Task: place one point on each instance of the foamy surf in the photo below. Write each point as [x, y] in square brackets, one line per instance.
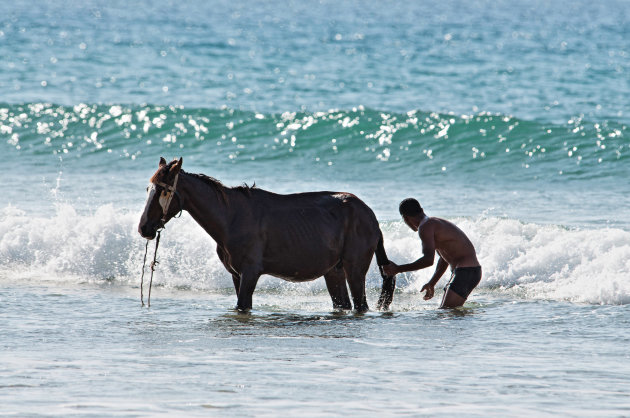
[521, 260]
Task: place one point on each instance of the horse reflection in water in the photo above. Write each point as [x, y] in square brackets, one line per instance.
[296, 237]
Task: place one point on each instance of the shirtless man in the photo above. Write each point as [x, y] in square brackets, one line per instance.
[454, 249]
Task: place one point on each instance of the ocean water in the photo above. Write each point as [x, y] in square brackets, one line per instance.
[509, 118]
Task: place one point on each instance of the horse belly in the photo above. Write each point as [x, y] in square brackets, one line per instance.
[296, 277]
[303, 244]
[302, 261]
[302, 266]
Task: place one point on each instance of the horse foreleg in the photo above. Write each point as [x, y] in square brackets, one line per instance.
[223, 256]
[336, 284]
[247, 284]
[237, 282]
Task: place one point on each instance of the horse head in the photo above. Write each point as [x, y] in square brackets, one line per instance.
[162, 189]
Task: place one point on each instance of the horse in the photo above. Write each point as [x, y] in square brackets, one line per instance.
[296, 237]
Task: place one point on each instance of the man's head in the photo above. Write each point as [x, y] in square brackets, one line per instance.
[411, 212]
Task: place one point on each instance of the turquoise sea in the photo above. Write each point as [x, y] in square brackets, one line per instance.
[510, 118]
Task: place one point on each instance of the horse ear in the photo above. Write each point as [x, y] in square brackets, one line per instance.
[162, 162]
[178, 166]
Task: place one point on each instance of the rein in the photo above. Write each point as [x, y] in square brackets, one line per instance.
[172, 191]
[152, 265]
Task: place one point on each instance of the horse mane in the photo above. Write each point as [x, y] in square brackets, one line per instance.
[220, 187]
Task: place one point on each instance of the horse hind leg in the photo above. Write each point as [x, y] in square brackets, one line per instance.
[336, 285]
[355, 274]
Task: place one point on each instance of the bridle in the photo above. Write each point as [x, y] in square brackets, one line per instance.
[172, 190]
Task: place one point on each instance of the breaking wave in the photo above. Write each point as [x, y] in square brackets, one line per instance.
[520, 260]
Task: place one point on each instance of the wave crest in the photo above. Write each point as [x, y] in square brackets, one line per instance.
[416, 142]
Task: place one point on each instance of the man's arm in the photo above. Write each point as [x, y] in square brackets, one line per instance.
[428, 254]
[440, 268]
[430, 285]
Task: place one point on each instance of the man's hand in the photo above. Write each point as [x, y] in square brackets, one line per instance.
[390, 269]
[430, 291]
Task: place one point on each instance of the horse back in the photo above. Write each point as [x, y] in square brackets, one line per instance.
[339, 210]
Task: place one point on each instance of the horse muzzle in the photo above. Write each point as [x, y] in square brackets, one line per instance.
[148, 231]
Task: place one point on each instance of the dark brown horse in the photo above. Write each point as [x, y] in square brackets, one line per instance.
[297, 237]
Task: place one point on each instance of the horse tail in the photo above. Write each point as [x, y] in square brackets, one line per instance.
[389, 283]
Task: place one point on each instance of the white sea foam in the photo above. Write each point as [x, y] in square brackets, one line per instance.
[535, 261]
[519, 260]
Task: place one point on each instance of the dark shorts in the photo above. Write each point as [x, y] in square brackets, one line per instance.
[464, 280]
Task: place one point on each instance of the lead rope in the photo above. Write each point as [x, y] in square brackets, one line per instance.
[173, 190]
[144, 263]
[152, 265]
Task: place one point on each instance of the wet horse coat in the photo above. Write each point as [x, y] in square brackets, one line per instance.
[296, 237]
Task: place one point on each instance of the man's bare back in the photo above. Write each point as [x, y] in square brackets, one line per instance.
[450, 242]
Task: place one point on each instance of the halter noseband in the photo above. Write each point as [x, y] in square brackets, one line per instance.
[173, 191]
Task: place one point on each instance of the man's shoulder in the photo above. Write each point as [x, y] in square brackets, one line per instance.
[433, 221]
[440, 222]
[434, 224]
[427, 225]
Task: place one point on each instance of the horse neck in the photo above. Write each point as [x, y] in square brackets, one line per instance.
[207, 205]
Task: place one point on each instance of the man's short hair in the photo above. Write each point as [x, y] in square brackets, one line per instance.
[410, 207]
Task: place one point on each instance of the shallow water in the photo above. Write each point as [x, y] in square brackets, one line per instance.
[91, 349]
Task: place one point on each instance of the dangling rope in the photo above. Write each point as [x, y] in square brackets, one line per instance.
[152, 265]
[172, 192]
[144, 263]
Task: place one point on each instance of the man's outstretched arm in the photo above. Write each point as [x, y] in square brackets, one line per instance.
[428, 255]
